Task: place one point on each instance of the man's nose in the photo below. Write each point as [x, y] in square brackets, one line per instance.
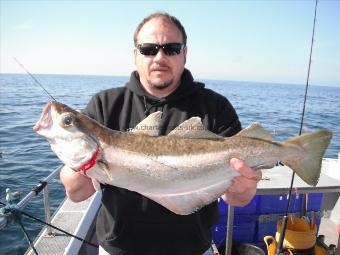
[160, 55]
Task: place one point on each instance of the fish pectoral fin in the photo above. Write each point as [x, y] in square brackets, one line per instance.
[150, 125]
[255, 130]
[102, 164]
[194, 128]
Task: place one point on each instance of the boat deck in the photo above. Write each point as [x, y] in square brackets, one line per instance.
[328, 228]
[74, 218]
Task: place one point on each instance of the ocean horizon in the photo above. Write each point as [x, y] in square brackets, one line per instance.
[198, 79]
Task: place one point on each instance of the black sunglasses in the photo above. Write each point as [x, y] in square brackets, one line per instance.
[151, 49]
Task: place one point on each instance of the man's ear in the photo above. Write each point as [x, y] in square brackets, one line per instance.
[135, 52]
[185, 51]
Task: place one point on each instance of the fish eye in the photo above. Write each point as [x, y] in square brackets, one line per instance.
[68, 120]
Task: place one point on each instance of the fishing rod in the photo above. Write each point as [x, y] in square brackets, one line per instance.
[26, 214]
[285, 217]
[35, 79]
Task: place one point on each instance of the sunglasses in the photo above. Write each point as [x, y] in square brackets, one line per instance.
[151, 49]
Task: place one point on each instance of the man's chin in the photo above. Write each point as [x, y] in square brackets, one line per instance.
[161, 84]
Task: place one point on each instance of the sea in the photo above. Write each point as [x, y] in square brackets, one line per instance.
[26, 158]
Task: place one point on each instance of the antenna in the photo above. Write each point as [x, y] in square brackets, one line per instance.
[35, 79]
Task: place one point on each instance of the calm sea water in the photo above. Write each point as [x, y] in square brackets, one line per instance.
[27, 158]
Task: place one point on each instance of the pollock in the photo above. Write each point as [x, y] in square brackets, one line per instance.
[183, 171]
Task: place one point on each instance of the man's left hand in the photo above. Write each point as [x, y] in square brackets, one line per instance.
[244, 186]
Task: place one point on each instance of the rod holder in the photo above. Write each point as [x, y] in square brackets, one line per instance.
[47, 210]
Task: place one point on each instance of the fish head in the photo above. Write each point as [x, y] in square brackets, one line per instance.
[64, 129]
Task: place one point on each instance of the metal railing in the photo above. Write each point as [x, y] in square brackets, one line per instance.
[42, 185]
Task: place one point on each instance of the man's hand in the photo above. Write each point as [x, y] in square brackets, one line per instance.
[244, 186]
[78, 187]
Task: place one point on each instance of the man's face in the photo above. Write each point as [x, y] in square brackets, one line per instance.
[160, 74]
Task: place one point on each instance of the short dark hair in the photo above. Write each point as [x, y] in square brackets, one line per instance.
[167, 17]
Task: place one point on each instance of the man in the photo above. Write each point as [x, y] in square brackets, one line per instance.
[129, 223]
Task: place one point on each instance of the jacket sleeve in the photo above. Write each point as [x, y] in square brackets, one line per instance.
[226, 120]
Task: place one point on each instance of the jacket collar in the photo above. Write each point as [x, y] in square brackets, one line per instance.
[187, 87]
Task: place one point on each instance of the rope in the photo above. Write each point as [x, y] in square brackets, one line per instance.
[26, 235]
[13, 209]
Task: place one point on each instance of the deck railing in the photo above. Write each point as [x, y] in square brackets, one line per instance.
[42, 185]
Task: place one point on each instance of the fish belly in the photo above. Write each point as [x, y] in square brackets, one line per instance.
[182, 184]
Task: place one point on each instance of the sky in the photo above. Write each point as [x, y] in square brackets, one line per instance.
[263, 41]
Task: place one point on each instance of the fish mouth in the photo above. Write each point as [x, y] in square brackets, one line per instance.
[45, 121]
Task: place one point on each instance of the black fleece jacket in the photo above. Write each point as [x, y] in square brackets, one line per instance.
[129, 223]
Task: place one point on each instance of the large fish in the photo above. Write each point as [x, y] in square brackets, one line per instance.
[183, 171]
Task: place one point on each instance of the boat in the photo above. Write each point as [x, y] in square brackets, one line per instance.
[79, 218]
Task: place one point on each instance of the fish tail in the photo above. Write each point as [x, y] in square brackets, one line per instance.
[313, 147]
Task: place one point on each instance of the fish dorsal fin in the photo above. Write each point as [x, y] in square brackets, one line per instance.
[194, 128]
[150, 125]
[255, 130]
